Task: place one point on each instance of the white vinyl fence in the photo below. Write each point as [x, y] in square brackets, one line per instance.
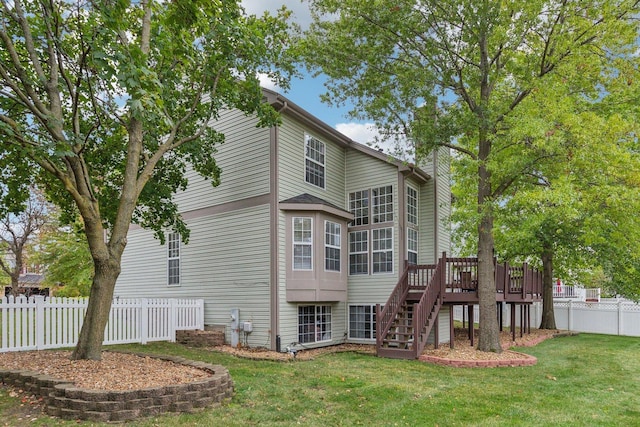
[611, 317]
[39, 323]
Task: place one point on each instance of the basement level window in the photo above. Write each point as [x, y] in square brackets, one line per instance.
[314, 323]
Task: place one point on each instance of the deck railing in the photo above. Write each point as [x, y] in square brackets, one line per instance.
[431, 297]
[385, 317]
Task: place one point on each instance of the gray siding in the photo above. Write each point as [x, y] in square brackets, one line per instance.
[244, 160]
[226, 262]
[365, 172]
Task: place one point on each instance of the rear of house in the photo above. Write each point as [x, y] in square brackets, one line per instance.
[307, 231]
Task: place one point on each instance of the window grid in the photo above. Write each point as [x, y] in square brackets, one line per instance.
[332, 246]
[173, 259]
[314, 323]
[302, 243]
[412, 206]
[359, 252]
[382, 250]
[362, 321]
[412, 246]
[382, 204]
[314, 161]
[359, 207]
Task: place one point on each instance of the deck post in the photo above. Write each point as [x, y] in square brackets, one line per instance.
[471, 322]
[513, 321]
[451, 328]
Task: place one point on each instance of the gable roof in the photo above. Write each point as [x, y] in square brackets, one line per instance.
[284, 106]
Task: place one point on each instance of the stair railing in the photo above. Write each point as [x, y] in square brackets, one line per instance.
[385, 317]
[430, 301]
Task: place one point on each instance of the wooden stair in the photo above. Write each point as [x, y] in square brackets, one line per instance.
[410, 314]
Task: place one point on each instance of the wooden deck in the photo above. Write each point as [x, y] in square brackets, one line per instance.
[412, 309]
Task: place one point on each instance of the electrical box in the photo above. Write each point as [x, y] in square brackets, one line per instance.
[247, 327]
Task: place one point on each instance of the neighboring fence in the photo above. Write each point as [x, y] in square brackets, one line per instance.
[37, 323]
[581, 294]
[611, 317]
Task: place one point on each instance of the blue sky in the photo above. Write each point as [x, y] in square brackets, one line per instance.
[306, 91]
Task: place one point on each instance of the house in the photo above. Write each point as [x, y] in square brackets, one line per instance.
[306, 233]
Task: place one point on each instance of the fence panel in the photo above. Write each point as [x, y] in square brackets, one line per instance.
[37, 323]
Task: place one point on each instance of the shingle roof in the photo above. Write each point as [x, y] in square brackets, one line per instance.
[309, 199]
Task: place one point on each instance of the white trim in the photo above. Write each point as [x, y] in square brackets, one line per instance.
[338, 246]
[367, 252]
[294, 243]
[174, 238]
[373, 251]
[323, 153]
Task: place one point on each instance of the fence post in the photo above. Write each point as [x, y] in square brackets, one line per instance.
[144, 320]
[620, 327]
[570, 316]
[200, 314]
[172, 319]
[39, 326]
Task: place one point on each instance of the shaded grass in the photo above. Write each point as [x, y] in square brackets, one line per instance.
[582, 380]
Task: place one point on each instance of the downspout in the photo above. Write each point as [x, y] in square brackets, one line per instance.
[274, 136]
[436, 214]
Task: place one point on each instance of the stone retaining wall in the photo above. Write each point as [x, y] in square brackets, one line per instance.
[65, 400]
[200, 338]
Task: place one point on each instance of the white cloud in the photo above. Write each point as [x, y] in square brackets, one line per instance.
[300, 9]
[266, 82]
[369, 134]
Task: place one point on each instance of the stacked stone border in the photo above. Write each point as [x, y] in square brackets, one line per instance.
[525, 360]
[63, 399]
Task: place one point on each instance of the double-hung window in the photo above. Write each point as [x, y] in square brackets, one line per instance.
[359, 207]
[314, 323]
[412, 206]
[412, 225]
[173, 259]
[314, 158]
[382, 204]
[362, 321]
[382, 250]
[302, 243]
[359, 252]
[412, 246]
[332, 246]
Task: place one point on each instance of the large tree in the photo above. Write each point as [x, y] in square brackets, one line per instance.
[107, 103]
[453, 73]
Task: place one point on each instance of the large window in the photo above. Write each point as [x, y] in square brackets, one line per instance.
[382, 250]
[412, 246]
[173, 259]
[314, 161]
[382, 204]
[314, 323]
[302, 244]
[359, 207]
[332, 246]
[362, 321]
[359, 252]
[412, 206]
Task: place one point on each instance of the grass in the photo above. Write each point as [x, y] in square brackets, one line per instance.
[582, 380]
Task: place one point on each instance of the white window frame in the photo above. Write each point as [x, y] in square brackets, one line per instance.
[370, 325]
[315, 330]
[332, 242]
[359, 206]
[173, 259]
[381, 212]
[385, 250]
[302, 243]
[362, 251]
[319, 160]
[412, 205]
[410, 240]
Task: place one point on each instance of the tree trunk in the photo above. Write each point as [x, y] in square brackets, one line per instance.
[548, 315]
[489, 336]
[89, 344]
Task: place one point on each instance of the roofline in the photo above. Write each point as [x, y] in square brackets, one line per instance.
[283, 105]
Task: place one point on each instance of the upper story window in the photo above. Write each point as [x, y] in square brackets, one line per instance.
[173, 259]
[382, 204]
[314, 157]
[302, 243]
[382, 250]
[359, 207]
[412, 205]
[332, 246]
[412, 246]
[359, 252]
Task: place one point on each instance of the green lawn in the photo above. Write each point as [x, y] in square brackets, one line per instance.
[581, 380]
